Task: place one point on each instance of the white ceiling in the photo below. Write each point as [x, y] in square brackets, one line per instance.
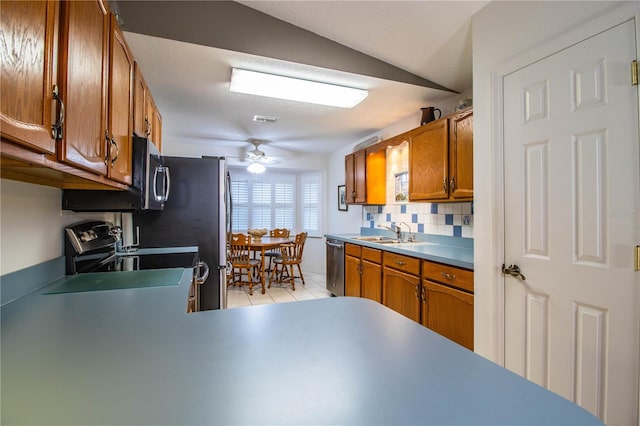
[190, 82]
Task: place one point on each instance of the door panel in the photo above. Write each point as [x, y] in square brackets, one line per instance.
[28, 49]
[571, 224]
[84, 83]
[120, 106]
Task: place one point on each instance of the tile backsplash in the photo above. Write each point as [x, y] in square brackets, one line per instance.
[450, 219]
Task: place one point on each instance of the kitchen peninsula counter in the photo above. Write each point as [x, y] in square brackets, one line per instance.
[135, 357]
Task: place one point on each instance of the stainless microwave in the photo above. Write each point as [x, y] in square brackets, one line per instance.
[151, 183]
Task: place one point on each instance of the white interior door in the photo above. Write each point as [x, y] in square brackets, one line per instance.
[571, 224]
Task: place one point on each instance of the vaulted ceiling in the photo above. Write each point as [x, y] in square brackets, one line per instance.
[407, 54]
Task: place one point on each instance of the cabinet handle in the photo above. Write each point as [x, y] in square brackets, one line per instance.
[147, 125]
[107, 147]
[418, 291]
[444, 186]
[400, 262]
[113, 143]
[452, 184]
[448, 276]
[353, 195]
[424, 295]
[56, 128]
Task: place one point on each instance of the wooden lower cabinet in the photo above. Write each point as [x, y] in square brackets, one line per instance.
[448, 312]
[363, 272]
[400, 292]
[352, 270]
[438, 296]
[371, 287]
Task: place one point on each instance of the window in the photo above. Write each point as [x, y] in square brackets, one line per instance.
[240, 203]
[311, 203]
[266, 201]
[277, 200]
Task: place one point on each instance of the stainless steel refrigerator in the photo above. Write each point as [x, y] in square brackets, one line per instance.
[197, 213]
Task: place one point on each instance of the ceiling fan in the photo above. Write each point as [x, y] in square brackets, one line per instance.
[258, 158]
[256, 155]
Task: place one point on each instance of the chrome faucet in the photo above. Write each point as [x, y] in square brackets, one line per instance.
[392, 228]
[411, 237]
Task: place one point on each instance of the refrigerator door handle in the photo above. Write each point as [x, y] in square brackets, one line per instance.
[202, 278]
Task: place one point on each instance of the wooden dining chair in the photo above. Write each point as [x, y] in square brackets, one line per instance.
[239, 254]
[291, 254]
[277, 233]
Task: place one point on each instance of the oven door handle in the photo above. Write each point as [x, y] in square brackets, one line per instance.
[200, 279]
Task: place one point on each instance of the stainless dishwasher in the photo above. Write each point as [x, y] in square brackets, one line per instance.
[335, 267]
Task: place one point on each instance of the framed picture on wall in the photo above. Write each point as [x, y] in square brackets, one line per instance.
[342, 198]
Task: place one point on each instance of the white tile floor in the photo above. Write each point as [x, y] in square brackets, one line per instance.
[314, 288]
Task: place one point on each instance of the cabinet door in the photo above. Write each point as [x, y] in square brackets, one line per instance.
[157, 128]
[448, 312]
[352, 276]
[355, 168]
[140, 120]
[84, 81]
[371, 281]
[428, 162]
[401, 292]
[349, 182]
[376, 177]
[120, 106]
[461, 156]
[28, 53]
[360, 176]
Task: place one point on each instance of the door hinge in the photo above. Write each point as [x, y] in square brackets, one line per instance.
[634, 73]
[636, 259]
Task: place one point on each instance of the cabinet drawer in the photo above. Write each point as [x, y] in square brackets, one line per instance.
[450, 275]
[352, 249]
[407, 264]
[372, 255]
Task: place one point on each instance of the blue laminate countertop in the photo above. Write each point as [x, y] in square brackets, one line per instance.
[442, 252]
[134, 357]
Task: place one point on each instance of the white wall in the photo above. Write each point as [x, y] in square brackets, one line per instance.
[507, 34]
[31, 224]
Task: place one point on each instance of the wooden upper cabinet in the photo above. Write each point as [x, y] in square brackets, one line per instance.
[156, 127]
[141, 124]
[365, 177]
[356, 177]
[28, 53]
[121, 83]
[146, 116]
[84, 80]
[441, 159]
[429, 161]
[461, 155]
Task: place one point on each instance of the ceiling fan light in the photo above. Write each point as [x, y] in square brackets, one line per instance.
[293, 89]
[256, 168]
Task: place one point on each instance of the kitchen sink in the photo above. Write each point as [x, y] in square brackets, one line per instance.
[378, 239]
[391, 240]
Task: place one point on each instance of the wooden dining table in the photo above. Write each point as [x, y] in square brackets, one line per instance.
[262, 245]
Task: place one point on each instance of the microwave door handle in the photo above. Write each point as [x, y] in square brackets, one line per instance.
[155, 184]
[168, 181]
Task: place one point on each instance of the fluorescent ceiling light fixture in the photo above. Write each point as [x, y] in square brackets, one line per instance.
[293, 89]
[256, 168]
